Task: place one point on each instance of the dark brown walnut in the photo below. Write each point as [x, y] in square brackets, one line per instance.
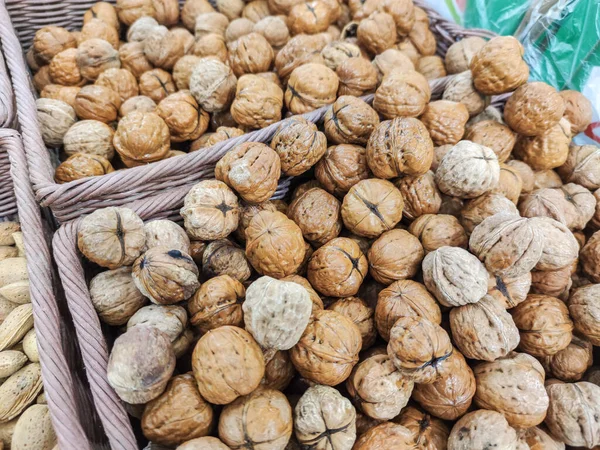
[98, 29]
[210, 211]
[402, 94]
[480, 208]
[178, 414]
[317, 303]
[140, 364]
[399, 147]
[498, 67]
[111, 237]
[445, 121]
[428, 432]
[328, 349]
[197, 251]
[317, 213]
[241, 424]
[364, 423]
[121, 81]
[371, 207]
[132, 57]
[570, 363]
[391, 59]
[257, 102]
[217, 303]
[460, 88]
[454, 276]
[224, 257]
[299, 50]
[572, 411]
[386, 435]
[338, 268]
[494, 135]
[578, 110]
[484, 330]
[555, 283]
[547, 150]
[431, 67]
[251, 53]
[279, 371]
[94, 57]
[274, 244]
[50, 41]
[336, 52]
[377, 32]
[403, 299]
[350, 121]
[421, 195]
[459, 55]
[533, 109]
[309, 17]
[184, 117]
[583, 310]
[481, 430]
[142, 138]
[325, 419]
[539, 439]
[227, 364]
[509, 183]
[341, 167]
[544, 325]
[63, 69]
[438, 230]
[182, 70]
[97, 103]
[311, 86]
[395, 255]
[507, 244]
[418, 348]
[156, 84]
[357, 77]
[210, 139]
[378, 388]
[559, 247]
[247, 213]
[359, 312]
[581, 166]
[509, 291]
[82, 165]
[65, 93]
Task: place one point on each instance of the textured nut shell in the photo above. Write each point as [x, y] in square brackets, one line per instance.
[309, 17]
[247, 213]
[428, 432]
[184, 117]
[279, 371]
[336, 52]
[299, 50]
[570, 363]
[377, 32]
[65, 93]
[581, 166]
[251, 53]
[94, 56]
[584, 312]
[165, 233]
[274, 29]
[578, 110]
[539, 439]
[395, 255]
[81, 165]
[386, 435]
[460, 88]
[203, 443]
[328, 349]
[357, 77]
[257, 102]
[317, 303]
[438, 230]
[156, 84]
[559, 246]
[131, 55]
[242, 423]
[454, 276]
[141, 138]
[432, 67]
[357, 310]
[171, 319]
[547, 150]
[350, 121]
[421, 195]
[55, 118]
[121, 81]
[49, 41]
[310, 86]
[480, 430]
[391, 59]
[342, 167]
[445, 121]
[91, 137]
[179, 414]
[317, 213]
[111, 237]
[19, 391]
[95, 102]
[555, 283]
[217, 303]
[480, 208]
[227, 363]
[494, 135]
[212, 84]
[509, 183]
[34, 430]
[459, 55]
[402, 94]
[572, 407]
[509, 291]
[533, 109]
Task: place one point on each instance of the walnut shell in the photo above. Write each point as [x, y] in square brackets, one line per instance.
[459, 55]
[325, 419]
[498, 67]
[99, 29]
[547, 150]
[544, 325]
[420, 195]
[241, 423]
[114, 296]
[460, 88]
[121, 81]
[94, 56]
[144, 27]
[171, 320]
[391, 59]
[480, 430]
[212, 84]
[90, 137]
[570, 363]
[572, 407]
[111, 237]
[402, 94]
[578, 110]
[65, 93]
[279, 372]
[223, 257]
[210, 22]
[539, 439]
[238, 28]
[217, 303]
[428, 432]
[299, 145]
[63, 69]
[454, 276]
[191, 9]
[357, 77]
[445, 121]
[136, 374]
[526, 173]
[377, 32]
[141, 138]
[274, 244]
[133, 59]
[509, 291]
[299, 50]
[395, 255]
[183, 116]
[251, 53]
[342, 167]
[335, 53]
[480, 208]
[210, 139]
[182, 70]
[317, 213]
[274, 29]
[493, 135]
[94, 102]
[418, 348]
[227, 363]
[583, 311]
[350, 121]
[257, 103]
[178, 414]
[165, 233]
[50, 41]
[309, 17]
[507, 244]
[555, 283]
[431, 67]
[559, 247]
[55, 118]
[247, 213]
[581, 166]
[438, 230]
[386, 435]
[210, 210]
[310, 86]
[509, 183]
[156, 84]
[317, 303]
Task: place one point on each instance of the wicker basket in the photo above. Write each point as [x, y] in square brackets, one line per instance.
[71, 410]
[70, 200]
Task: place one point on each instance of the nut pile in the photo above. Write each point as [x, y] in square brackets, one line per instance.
[24, 417]
[144, 81]
[430, 282]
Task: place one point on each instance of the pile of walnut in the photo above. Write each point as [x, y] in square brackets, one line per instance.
[24, 417]
[148, 81]
[421, 292]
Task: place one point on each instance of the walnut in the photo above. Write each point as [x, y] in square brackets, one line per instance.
[445, 121]
[533, 109]
[350, 121]
[238, 28]
[257, 103]
[402, 94]
[241, 423]
[310, 86]
[325, 419]
[509, 291]
[545, 151]
[251, 53]
[163, 50]
[539, 439]
[459, 55]
[211, 45]
[468, 170]
[99, 29]
[274, 30]
[165, 233]
[144, 27]
[140, 364]
[82, 165]
[63, 69]
[213, 84]
[309, 17]
[361, 314]
[210, 22]
[420, 195]
[583, 311]
[65, 93]
[217, 303]
[133, 58]
[337, 52]
[570, 363]
[438, 230]
[578, 110]
[451, 205]
[526, 173]
[111, 237]
[182, 70]
[498, 67]
[103, 11]
[50, 41]
[234, 370]
[317, 303]
[192, 9]
[480, 208]
[460, 88]
[171, 320]
[55, 118]
[371, 207]
[114, 296]
[431, 67]
[319, 225]
[454, 276]
[185, 36]
[299, 50]
[555, 283]
[581, 166]
[560, 248]
[157, 84]
[418, 348]
[141, 138]
[342, 167]
[385, 435]
[480, 430]
[230, 8]
[137, 103]
[395, 255]
[210, 139]
[509, 183]
[97, 103]
[427, 431]
[391, 59]
[572, 407]
[183, 116]
[420, 36]
[255, 11]
[330, 358]
[42, 79]
[91, 137]
[493, 135]
[120, 81]
[377, 32]
[357, 77]
[94, 56]
[484, 330]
